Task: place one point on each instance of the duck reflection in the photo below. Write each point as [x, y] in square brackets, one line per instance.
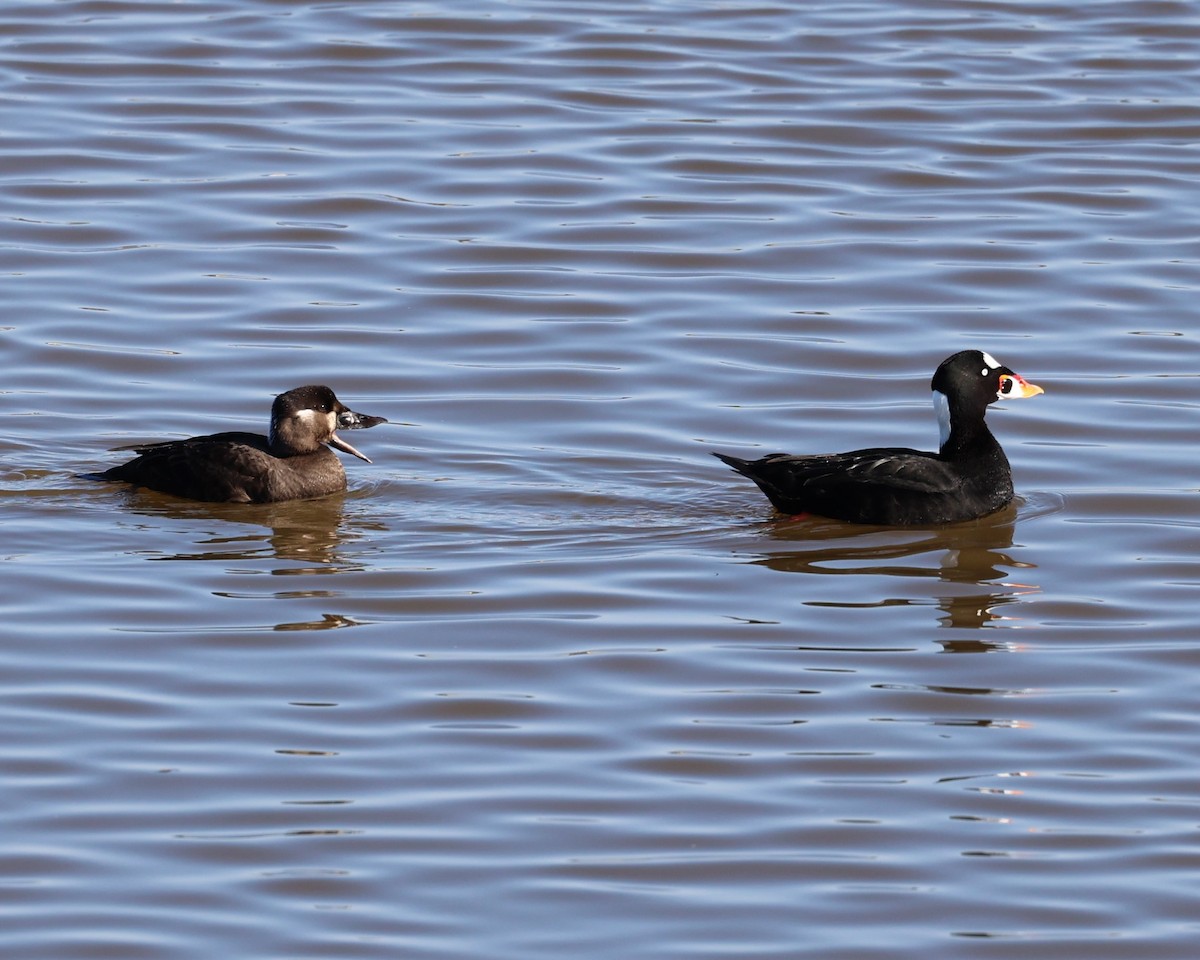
[976, 555]
[297, 538]
[307, 534]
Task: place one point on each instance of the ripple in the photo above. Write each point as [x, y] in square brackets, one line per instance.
[590, 676]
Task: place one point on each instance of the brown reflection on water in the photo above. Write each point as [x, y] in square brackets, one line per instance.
[307, 532]
[977, 554]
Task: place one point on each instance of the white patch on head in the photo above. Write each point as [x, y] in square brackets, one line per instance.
[941, 406]
[306, 417]
[991, 362]
[309, 416]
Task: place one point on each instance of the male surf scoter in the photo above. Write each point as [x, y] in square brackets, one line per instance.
[968, 477]
[292, 463]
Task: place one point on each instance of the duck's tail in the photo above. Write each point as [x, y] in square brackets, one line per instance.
[737, 463]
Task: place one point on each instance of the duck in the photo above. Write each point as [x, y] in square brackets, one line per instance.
[967, 478]
[293, 462]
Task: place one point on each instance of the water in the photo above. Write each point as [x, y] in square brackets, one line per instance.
[549, 680]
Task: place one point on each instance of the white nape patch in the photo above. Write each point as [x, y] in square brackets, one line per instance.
[941, 406]
[991, 361]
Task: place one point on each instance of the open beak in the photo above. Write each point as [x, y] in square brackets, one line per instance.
[339, 443]
[349, 420]
[1016, 386]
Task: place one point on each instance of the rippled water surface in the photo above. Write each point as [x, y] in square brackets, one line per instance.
[548, 681]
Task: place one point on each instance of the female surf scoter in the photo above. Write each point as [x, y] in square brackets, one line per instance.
[292, 463]
[968, 477]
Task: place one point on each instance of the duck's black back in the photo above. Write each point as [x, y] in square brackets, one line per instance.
[882, 485]
[218, 468]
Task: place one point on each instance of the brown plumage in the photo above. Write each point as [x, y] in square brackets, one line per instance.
[291, 463]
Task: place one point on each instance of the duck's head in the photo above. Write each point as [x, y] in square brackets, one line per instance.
[306, 417]
[967, 382]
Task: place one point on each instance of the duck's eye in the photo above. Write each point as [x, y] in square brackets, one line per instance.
[1006, 384]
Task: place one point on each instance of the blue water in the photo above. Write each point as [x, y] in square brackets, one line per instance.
[548, 680]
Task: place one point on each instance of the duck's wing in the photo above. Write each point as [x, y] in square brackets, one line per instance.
[234, 436]
[221, 467]
[873, 485]
[891, 467]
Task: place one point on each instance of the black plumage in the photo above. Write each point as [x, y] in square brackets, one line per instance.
[968, 477]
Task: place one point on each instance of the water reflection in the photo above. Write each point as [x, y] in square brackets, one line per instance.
[977, 555]
[297, 539]
[308, 534]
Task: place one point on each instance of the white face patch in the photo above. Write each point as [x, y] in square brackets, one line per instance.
[306, 417]
[941, 406]
[991, 362]
[309, 415]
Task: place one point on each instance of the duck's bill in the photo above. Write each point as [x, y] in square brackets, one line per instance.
[340, 444]
[349, 420]
[1014, 386]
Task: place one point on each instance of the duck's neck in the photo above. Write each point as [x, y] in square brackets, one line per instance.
[960, 433]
